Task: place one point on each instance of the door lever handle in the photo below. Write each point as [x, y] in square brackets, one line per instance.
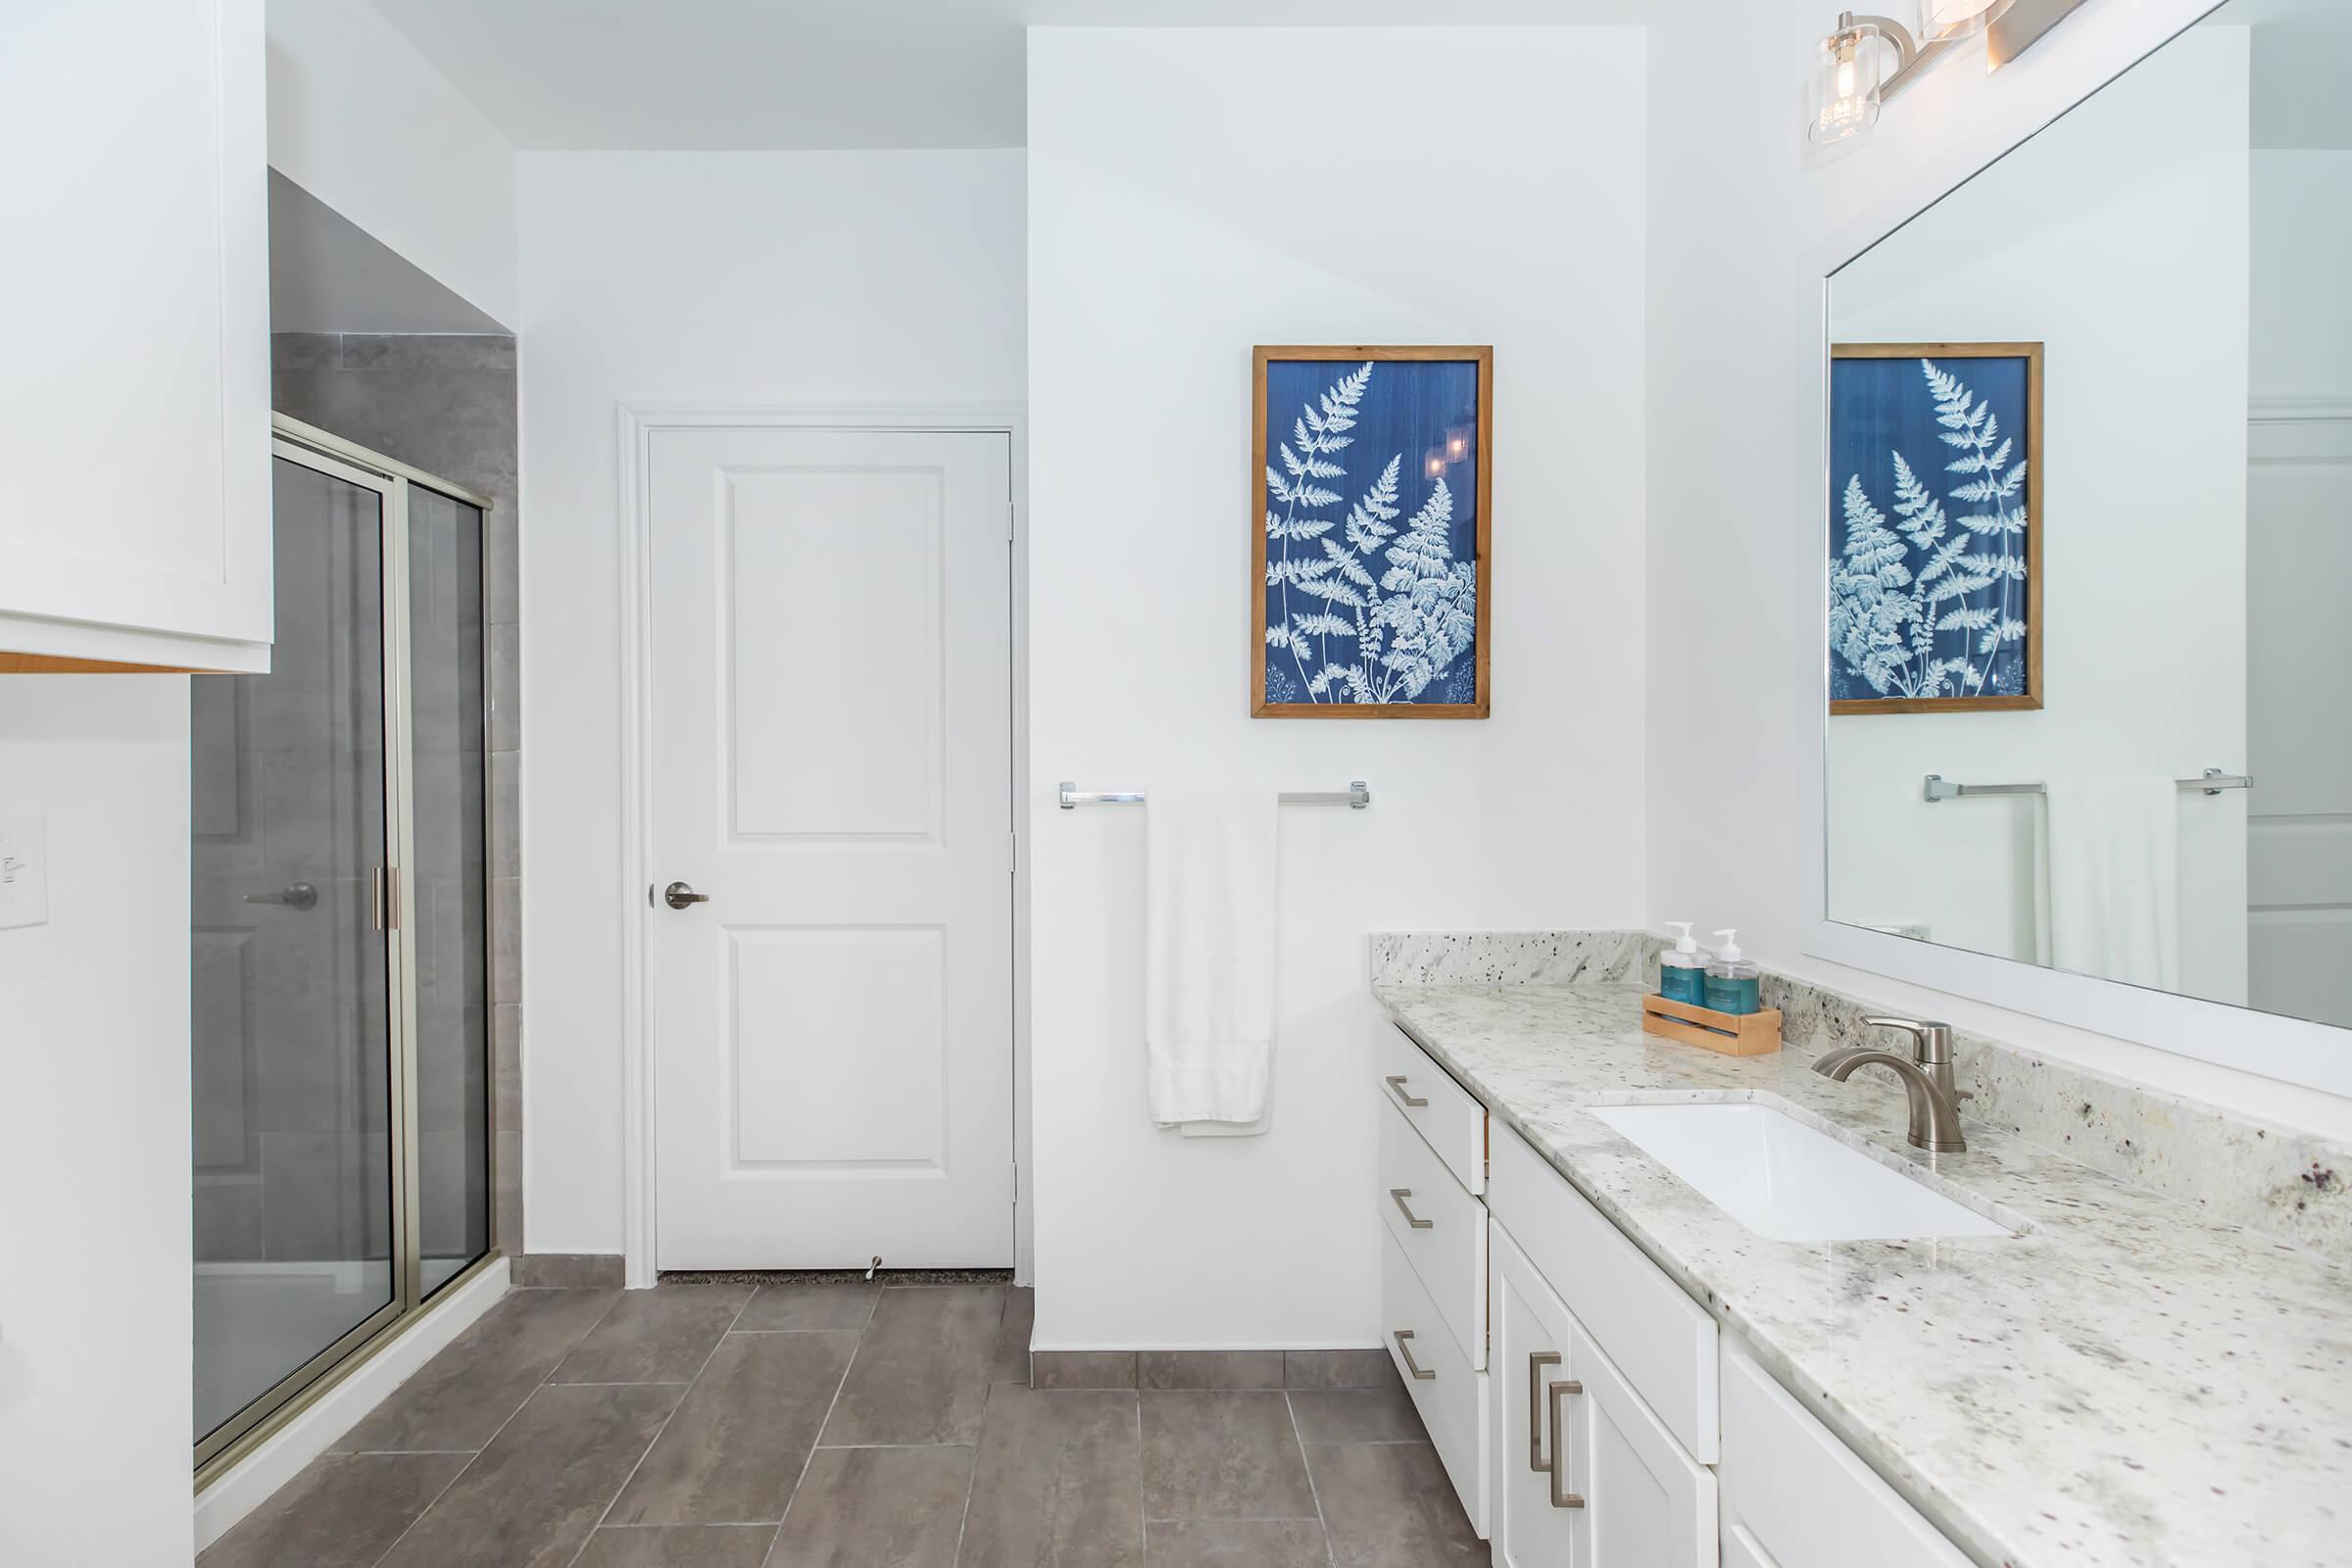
[678, 896]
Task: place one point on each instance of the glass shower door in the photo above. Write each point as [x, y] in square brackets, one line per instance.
[295, 977]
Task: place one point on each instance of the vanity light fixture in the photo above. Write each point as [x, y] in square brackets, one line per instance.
[1851, 81]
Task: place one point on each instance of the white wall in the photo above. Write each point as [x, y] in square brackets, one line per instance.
[692, 277]
[95, 1368]
[2128, 212]
[362, 121]
[2302, 310]
[1743, 224]
[1193, 192]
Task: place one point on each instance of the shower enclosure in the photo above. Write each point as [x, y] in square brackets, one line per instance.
[340, 942]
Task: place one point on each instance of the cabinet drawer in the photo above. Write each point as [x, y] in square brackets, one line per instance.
[1439, 1109]
[1795, 1495]
[1449, 1394]
[1447, 1247]
[1656, 1334]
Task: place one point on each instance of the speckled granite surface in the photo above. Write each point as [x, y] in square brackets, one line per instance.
[2280, 1181]
[2129, 1383]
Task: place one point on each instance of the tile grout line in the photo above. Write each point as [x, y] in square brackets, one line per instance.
[1313, 1491]
[971, 1479]
[610, 1502]
[856, 1351]
[502, 1426]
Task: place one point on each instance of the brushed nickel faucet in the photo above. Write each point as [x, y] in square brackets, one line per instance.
[1927, 1075]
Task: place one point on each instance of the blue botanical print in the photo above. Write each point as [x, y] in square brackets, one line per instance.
[1368, 605]
[1929, 601]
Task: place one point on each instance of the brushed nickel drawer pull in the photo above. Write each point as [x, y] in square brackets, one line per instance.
[1421, 1374]
[1559, 1470]
[1398, 1195]
[1537, 1361]
[1397, 1082]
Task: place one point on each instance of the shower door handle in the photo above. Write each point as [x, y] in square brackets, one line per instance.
[296, 894]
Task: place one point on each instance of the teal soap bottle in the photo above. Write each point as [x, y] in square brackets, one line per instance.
[1732, 983]
[1682, 969]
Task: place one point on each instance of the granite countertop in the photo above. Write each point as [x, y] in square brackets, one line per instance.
[2126, 1383]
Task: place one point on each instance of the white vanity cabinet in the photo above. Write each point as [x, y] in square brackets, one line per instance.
[134, 394]
[1589, 1412]
[1585, 1470]
[1794, 1497]
[1433, 1277]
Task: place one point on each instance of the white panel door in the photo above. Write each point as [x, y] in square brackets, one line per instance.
[2299, 748]
[831, 724]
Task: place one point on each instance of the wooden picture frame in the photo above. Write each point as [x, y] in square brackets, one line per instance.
[2031, 698]
[1372, 689]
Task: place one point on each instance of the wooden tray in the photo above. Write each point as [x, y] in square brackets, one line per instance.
[1734, 1034]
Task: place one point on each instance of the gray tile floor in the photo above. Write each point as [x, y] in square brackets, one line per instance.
[857, 1426]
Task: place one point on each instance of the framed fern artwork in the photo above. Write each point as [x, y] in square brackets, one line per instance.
[1368, 531]
[1935, 527]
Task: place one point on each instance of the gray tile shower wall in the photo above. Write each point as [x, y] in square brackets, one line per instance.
[2274, 1181]
[446, 404]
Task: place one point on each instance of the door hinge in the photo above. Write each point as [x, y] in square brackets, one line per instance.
[1011, 513]
[1012, 854]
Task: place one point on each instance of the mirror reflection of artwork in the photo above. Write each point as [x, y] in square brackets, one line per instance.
[1370, 533]
[1935, 527]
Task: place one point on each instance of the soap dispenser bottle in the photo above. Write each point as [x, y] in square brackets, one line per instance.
[1733, 981]
[1682, 969]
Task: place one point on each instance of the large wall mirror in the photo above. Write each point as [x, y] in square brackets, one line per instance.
[2089, 542]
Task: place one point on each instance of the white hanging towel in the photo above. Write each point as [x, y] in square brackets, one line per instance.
[2114, 878]
[1209, 957]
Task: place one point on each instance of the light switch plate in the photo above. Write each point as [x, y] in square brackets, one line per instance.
[24, 871]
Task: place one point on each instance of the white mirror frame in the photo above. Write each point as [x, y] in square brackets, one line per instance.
[2291, 1050]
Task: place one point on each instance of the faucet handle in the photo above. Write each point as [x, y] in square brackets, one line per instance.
[1930, 1042]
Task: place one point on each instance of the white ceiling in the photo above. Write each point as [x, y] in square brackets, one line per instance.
[823, 74]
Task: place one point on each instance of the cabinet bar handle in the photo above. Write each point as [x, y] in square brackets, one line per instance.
[1398, 1195]
[1537, 1361]
[1561, 1498]
[1421, 1374]
[1397, 1082]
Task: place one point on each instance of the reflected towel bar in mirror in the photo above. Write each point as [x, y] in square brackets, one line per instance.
[2212, 782]
[1356, 796]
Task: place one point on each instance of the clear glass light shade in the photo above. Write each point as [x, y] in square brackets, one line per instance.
[1957, 19]
[1847, 76]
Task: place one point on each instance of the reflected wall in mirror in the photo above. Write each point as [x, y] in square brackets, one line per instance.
[2174, 246]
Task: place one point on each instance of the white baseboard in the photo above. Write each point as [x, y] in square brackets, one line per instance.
[246, 1484]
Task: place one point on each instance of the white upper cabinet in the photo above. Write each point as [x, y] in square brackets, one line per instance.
[135, 385]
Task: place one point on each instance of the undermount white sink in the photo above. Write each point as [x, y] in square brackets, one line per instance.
[1789, 1182]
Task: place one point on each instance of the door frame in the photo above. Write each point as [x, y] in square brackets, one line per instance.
[638, 424]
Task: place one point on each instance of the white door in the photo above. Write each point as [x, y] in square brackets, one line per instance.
[1648, 1504]
[2298, 749]
[832, 756]
[1529, 1354]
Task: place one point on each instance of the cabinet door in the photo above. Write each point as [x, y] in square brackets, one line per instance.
[1648, 1503]
[134, 393]
[1529, 1352]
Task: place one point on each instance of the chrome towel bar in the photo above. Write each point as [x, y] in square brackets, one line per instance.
[2212, 781]
[1355, 797]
